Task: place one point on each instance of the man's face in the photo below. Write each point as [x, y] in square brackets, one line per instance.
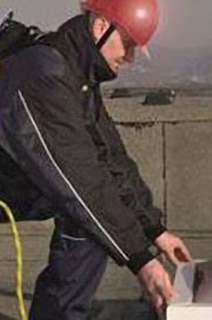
[118, 49]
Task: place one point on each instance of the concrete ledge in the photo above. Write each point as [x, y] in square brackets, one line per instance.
[184, 109]
[36, 228]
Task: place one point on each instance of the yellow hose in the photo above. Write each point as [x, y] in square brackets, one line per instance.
[17, 242]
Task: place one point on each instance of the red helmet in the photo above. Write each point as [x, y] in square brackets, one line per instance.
[139, 18]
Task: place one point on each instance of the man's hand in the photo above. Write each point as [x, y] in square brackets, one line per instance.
[157, 282]
[173, 248]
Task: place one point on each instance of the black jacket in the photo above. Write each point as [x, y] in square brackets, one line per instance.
[55, 127]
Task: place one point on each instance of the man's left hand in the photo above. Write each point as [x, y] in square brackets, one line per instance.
[173, 248]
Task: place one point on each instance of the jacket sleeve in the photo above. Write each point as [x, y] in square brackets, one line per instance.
[45, 127]
[133, 191]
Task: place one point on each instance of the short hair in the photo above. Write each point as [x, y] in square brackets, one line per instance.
[92, 16]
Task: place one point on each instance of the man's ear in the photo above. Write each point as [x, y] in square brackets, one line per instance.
[100, 26]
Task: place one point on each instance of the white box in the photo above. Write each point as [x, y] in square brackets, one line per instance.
[193, 287]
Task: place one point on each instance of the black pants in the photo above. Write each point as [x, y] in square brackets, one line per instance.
[65, 288]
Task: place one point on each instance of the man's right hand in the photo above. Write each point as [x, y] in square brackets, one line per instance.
[157, 282]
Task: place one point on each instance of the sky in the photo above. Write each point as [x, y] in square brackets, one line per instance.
[183, 23]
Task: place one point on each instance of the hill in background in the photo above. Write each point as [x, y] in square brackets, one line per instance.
[175, 68]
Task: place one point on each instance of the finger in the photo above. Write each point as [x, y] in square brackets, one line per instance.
[170, 290]
[159, 304]
[166, 289]
[166, 292]
[157, 301]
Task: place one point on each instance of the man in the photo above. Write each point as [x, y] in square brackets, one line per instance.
[62, 146]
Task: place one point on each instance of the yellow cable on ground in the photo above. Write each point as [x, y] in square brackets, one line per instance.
[17, 242]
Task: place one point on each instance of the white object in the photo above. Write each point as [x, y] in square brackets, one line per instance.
[193, 288]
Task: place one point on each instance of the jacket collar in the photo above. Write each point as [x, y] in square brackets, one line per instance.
[75, 39]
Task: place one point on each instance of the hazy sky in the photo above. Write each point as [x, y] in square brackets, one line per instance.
[183, 22]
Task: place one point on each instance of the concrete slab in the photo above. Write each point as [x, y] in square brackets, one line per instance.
[189, 176]
[36, 228]
[145, 146]
[8, 301]
[184, 109]
[34, 248]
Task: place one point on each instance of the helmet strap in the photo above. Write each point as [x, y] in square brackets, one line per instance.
[105, 36]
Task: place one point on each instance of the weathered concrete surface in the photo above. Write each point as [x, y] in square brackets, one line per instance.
[32, 228]
[185, 109]
[34, 248]
[8, 301]
[189, 176]
[145, 146]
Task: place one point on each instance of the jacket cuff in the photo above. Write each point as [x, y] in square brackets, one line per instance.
[155, 231]
[137, 261]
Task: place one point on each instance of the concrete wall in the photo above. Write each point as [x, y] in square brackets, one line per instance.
[172, 146]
